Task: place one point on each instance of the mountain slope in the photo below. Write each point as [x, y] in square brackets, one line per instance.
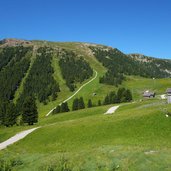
[114, 69]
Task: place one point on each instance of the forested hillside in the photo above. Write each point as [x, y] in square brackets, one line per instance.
[119, 65]
[74, 69]
[14, 63]
[40, 82]
[49, 72]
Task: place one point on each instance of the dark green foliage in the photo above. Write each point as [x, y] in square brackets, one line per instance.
[16, 53]
[61, 108]
[57, 110]
[64, 107]
[29, 111]
[40, 81]
[75, 104]
[7, 113]
[106, 100]
[78, 103]
[99, 103]
[81, 104]
[119, 65]
[122, 95]
[12, 74]
[128, 95]
[89, 103]
[74, 69]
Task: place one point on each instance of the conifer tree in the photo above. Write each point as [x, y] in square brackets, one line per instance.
[106, 100]
[99, 103]
[75, 104]
[89, 103]
[128, 95]
[64, 107]
[81, 104]
[29, 111]
[57, 109]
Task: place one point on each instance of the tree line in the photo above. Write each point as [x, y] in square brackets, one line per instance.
[122, 95]
[9, 112]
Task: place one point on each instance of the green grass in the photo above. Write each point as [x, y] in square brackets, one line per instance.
[136, 137]
[138, 84]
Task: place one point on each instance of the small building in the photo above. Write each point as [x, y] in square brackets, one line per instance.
[168, 92]
[148, 94]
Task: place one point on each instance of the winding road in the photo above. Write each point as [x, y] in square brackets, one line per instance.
[75, 92]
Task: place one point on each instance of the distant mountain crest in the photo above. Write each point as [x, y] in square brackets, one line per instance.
[14, 42]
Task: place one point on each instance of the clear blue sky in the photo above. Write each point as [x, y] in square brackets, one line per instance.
[142, 26]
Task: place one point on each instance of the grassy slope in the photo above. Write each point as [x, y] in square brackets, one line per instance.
[88, 138]
[136, 84]
[94, 139]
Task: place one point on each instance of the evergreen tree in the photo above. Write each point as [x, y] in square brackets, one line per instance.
[99, 103]
[128, 95]
[120, 94]
[10, 116]
[7, 113]
[106, 100]
[57, 109]
[112, 97]
[64, 107]
[89, 103]
[81, 104]
[29, 111]
[75, 104]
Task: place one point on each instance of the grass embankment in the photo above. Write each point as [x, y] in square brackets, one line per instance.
[136, 137]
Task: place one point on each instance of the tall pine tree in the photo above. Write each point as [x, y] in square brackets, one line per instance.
[29, 111]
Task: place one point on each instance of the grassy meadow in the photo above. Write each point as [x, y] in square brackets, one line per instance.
[136, 137]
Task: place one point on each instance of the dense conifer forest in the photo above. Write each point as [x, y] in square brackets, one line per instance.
[12, 74]
[40, 82]
[119, 65]
[74, 69]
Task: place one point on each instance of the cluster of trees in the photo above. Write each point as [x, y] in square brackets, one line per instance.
[74, 69]
[122, 95]
[12, 73]
[61, 108]
[40, 81]
[119, 65]
[9, 112]
[78, 103]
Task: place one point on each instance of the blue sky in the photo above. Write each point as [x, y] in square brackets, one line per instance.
[133, 26]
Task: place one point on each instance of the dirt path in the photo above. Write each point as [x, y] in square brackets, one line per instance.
[112, 110]
[75, 92]
[16, 138]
